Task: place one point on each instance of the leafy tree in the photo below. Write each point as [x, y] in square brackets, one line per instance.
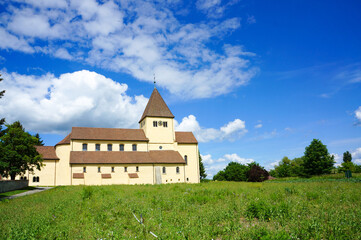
[233, 172]
[18, 153]
[39, 142]
[257, 173]
[202, 171]
[317, 160]
[347, 157]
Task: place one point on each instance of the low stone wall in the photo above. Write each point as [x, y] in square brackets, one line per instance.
[11, 185]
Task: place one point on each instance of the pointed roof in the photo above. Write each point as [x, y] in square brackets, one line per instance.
[156, 107]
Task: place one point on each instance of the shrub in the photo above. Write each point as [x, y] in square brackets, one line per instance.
[257, 174]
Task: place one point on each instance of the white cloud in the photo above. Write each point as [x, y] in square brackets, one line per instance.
[338, 159]
[135, 37]
[258, 125]
[358, 114]
[230, 131]
[251, 20]
[48, 104]
[213, 166]
[356, 156]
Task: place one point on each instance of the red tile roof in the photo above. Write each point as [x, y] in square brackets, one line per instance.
[156, 107]
[78, 175]
[185, 137]
[65, 141]
[117, 157]
[133, 175]
[47, 152]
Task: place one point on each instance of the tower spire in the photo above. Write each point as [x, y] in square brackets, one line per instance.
[154, 81]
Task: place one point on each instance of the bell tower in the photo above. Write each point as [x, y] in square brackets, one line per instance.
[157, 122]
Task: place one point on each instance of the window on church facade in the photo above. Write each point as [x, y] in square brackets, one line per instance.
[186, 159]
[97, 147]
[134, 147]
[84, 169]
[99, 169]
[177, 169]
[155, 124]
[125, 169]
[137, 169]
[110, 147]
[112, 169]
[121, 147]
[36, 179]
[164, 170]
[85, 147]
[165, 124]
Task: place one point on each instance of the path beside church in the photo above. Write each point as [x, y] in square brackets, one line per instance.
[36, 190]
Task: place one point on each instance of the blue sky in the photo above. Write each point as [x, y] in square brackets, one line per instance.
[254, 80]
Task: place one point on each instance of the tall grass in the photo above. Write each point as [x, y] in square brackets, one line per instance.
[214, 210]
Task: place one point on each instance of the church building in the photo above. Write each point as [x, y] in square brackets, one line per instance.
[153, 154]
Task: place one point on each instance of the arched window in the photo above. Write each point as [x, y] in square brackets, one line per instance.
[37, 179]
[84, 169]
[137, 169]
[34, 179]
[121, 147]
[186, 159]
[164, 170]
[110, 147]
[134, 147]
[177, 169]
[85, 147]
[97, 147]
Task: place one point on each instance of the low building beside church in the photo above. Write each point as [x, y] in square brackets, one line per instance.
[153, 154]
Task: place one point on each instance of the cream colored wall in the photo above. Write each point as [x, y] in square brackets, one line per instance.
[171, 175]
[165, 146]
[46, 174]
[63, 171]
[92, 177]
[192, 168]
[159, 134]
[78, 145]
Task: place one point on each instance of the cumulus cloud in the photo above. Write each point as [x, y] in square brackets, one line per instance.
[212, 166]
[356, 156]
[358, 114]
[134, 37]
[229, 131]
[338, 159]
[50, 104]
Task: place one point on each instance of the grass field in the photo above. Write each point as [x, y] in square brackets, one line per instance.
[214, 210]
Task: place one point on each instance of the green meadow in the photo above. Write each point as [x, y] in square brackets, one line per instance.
[318, 209]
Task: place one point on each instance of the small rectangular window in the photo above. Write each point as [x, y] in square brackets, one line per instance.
[186, 159]
[97, 147]
[121, 147]
[99, 169]
[165, 124]
[155, 124]
[134, 147]
[110, 147]
[125, 169]
[137, 169]
[177, 170]
[112, 169]
[85, 147]
[164, 170]
[84, 169]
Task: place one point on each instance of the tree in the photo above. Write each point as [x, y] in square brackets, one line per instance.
[257, 173]
[233, 172]
[17, 153]
[202, 171]
[317, 160]
[347, 157]
[39, 141]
